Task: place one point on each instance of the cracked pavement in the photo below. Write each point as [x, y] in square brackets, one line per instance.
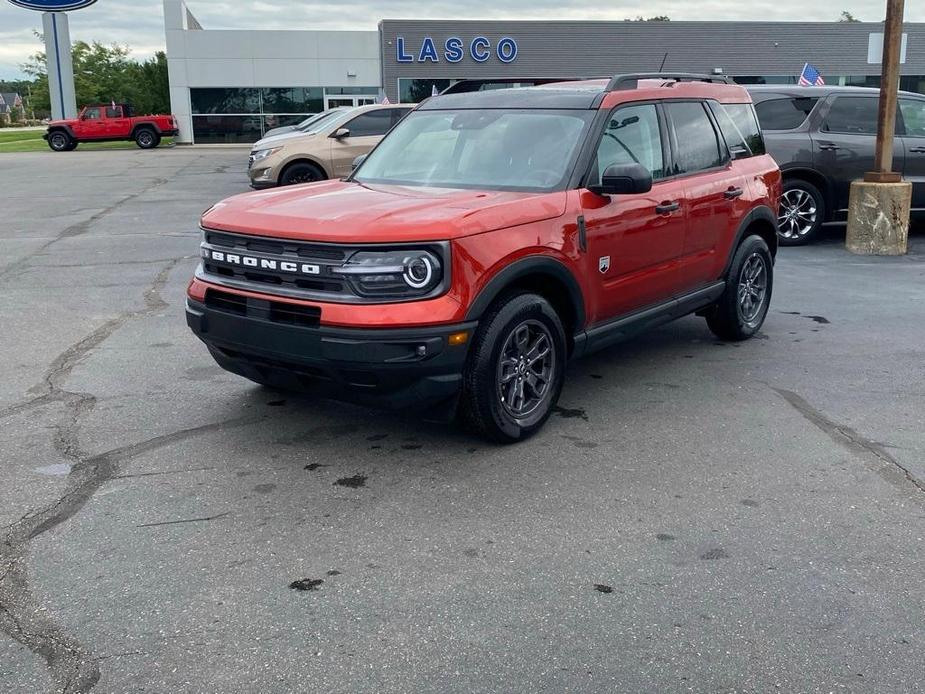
[697, 516]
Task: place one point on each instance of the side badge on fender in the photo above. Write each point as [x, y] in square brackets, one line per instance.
[604, 264]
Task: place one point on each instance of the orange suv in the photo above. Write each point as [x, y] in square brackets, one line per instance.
[492, 236]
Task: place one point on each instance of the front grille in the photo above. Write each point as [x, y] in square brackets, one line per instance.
[274, 311]
[312, 262]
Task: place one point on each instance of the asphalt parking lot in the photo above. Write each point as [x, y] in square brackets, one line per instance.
[698, 516]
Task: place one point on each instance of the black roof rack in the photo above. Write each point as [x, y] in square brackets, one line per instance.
[631, 80]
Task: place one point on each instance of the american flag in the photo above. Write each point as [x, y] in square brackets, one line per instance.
[810, 77]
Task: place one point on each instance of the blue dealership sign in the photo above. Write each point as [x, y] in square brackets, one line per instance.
[454, 49]
[52, 5]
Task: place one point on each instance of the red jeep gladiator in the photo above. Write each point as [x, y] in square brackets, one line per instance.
[113, 122]
[491, 236]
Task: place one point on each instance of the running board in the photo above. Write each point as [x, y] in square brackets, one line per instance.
[612, 332]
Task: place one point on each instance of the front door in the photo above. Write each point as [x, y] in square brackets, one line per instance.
[634, 242]
[844, 147]
[92, 125]
[912, 112]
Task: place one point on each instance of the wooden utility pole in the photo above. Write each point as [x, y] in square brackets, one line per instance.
[889, 87]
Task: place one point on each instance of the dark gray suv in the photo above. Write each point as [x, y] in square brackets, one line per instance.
[823, 138]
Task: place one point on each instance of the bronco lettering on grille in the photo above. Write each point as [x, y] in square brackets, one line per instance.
[264, 263]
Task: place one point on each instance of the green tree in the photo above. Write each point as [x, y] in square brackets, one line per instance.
[107, 73]
[846, 16]
[656, 18]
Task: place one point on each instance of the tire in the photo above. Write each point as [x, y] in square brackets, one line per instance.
[802, 212]
[498, 400]
[740, 311]
[301, 172]
[60, 141]
[146, 138]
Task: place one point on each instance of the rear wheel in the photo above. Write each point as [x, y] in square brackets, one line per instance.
[60, 141]
[147, 138]
[802, 211]
[515, 370]
[301, 172]
[741, 310]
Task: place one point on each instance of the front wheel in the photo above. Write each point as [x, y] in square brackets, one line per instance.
[147, 139]
[515, 370]
[301, 172]
[60, 141]
[741, 310]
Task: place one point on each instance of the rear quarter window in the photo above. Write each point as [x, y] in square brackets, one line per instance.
[739, 126]
[786, 113]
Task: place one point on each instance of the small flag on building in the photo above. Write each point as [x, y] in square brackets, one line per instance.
[433, 90]
[810, 77]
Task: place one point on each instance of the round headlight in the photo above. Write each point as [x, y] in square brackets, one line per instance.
[419, 271]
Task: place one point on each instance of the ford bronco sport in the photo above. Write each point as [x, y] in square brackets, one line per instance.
[490, 237]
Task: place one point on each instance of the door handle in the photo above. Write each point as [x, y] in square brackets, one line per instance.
[733, 193]
[828, 146]
[668, 206]
[918, 150]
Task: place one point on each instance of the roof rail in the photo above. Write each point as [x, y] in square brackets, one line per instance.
[631, 80]
[472, 85]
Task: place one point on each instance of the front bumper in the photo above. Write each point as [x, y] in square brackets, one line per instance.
[392, 368]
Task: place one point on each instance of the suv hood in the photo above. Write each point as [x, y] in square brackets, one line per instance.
[280, 139]
[338, 211]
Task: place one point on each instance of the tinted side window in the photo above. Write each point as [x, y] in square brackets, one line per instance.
[852, 114]
[114, 112]
[92, 114]
[698, 146]
[784, 114]
[740, 128]
[913, 113]
[371, 123]
[632, 136]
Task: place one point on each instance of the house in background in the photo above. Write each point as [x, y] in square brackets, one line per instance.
[11, 108]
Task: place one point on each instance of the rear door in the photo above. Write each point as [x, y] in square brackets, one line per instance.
[845, 143]
[116, 124]
[715, 193]
[365, 132]
[912, 112]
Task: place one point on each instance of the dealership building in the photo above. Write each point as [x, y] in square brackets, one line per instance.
[233, 85]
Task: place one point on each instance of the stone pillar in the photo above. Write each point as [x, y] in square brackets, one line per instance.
[878, 218]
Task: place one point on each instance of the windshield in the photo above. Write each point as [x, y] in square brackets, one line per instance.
[314, 122]
[496, 149]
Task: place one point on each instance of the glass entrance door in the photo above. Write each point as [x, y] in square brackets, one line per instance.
[341, 101]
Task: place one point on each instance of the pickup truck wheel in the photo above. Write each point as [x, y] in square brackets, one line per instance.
[802, 211]
[147, 138]
[60, 141]
[301, 172]
[515, 369]
[741, 310]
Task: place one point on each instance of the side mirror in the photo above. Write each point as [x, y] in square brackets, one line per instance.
[623, 179]
[341, 133]
[357, 162]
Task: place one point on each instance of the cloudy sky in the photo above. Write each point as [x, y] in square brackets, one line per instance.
[139, 23]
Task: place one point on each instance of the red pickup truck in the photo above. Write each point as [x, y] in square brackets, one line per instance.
[102, 122]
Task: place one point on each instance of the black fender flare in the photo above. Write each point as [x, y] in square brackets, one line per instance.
[151, 125]
[760, 213]
[66, 128]
[531, 265]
